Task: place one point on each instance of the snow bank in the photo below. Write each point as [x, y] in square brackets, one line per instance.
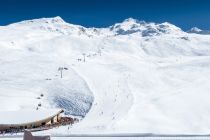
[26, 116]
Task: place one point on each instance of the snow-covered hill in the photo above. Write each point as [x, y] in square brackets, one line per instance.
[130, 77]
[199, 31]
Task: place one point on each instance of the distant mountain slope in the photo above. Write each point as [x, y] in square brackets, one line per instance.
[133, 76]
[199, 31]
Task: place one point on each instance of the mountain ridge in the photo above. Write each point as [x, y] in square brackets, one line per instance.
[128, 26]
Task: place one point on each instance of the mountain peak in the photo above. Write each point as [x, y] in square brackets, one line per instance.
[52, 20]
[130, 25]
[198, 31]
[132, 21]
[57, 19]
[194, 30]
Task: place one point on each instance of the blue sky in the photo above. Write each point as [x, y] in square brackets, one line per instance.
[102, 13]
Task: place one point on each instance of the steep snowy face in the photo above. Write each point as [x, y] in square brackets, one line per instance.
[198, 31]
[130, 26]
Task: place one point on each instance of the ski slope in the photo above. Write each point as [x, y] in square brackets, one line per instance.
[137, 77]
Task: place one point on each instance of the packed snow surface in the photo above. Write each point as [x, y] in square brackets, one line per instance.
[133, 76]
[119, 138]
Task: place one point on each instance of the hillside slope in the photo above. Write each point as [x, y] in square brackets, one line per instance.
[136, 76]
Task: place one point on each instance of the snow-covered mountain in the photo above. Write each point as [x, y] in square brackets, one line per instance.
[130, 26]
[133, 76]
[198, 31]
